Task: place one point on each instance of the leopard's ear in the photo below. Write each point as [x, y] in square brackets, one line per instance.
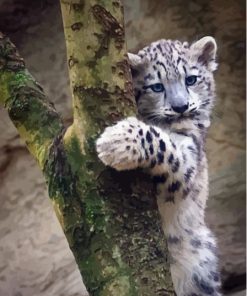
[204, 50]
[137, 63]
[135, 60]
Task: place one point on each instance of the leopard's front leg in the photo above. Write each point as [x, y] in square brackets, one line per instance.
[131, 144]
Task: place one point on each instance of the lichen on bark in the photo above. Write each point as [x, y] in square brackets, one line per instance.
[110, 219]
[36, 119]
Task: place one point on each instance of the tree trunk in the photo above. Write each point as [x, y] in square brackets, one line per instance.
[110, 219]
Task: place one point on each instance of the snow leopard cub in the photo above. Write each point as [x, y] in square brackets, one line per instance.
[174, 90]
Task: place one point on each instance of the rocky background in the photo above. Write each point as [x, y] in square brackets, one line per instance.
[34, 256]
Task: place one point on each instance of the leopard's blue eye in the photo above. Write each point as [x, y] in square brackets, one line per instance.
[157, 87]
[190, 80]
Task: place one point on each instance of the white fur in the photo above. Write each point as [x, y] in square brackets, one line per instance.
[171, 147]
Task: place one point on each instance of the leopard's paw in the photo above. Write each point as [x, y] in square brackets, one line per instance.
[117, 145]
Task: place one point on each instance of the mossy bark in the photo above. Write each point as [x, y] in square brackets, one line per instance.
[110, 219]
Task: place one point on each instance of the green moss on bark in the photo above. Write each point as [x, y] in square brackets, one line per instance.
[110, 219]
[34, 117]
[120, 207]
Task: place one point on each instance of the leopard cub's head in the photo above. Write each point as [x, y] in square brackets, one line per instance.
[174, 80]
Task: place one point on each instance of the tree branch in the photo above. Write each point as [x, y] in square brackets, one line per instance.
[34, 117]
[109, 219]
[102, 94]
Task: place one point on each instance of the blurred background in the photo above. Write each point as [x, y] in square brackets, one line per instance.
[34, 256]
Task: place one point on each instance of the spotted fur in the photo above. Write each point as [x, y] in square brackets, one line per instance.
[168, 140]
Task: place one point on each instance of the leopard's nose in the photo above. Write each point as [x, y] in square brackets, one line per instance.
[180, 109]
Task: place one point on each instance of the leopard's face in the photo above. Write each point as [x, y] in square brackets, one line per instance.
[173, 80]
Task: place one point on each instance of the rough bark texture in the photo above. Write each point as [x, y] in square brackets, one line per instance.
[110, 220]
[36, 119]
[125, 245]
